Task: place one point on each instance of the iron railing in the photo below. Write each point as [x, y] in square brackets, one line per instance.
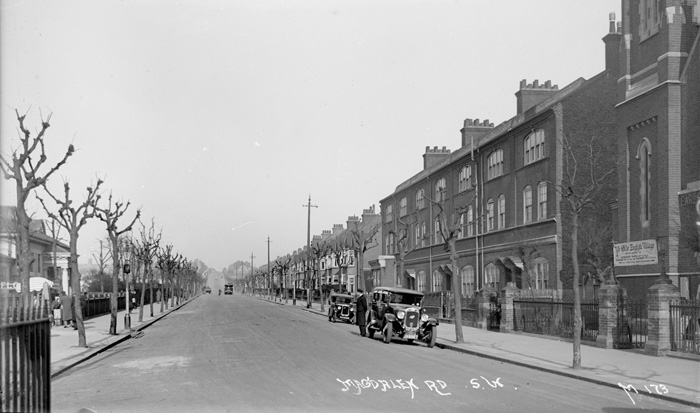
[685, 326]
[555, 318]
[25, 356]
[631, 323]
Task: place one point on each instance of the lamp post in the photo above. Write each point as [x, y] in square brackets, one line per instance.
[126, 269]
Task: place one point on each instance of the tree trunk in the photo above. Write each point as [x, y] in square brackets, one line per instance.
[150, 289]
[75, 281]
[143, 293]
[577, 294]
[456, 292]
[24, 253]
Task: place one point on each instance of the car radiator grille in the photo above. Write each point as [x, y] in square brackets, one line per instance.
[412, 319]
[345, 311]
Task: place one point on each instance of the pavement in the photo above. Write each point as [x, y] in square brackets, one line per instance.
[675, 379]
[65, 352]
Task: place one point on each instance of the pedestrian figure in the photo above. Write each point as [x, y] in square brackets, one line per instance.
[361, 308]
[66, 310]
[83, 304]
[219, 291]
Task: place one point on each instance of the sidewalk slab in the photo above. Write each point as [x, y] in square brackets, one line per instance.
[65, 352]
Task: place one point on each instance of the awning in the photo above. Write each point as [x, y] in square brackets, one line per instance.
[410, 273]
[512, 261]
[37, 283]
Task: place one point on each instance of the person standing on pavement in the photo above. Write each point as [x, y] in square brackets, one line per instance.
[66, 310]
[361, 308]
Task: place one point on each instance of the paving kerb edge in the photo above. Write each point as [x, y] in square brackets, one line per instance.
[89, 355]
[442, 345]
[559, 373]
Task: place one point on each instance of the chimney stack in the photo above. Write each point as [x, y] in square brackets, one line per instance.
[474, 130]
[530, 95]
[432, 157]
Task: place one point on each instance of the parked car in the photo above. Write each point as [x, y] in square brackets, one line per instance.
[228, 289]
[207, 290]
[399, 313]
[342, 307]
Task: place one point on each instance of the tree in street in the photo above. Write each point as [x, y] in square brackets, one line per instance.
[73, 219]
[102, 258]
[24, 166]
[449, 228]
[145, 250]
[588, 170]
[361, 238]
[400, 235]
[110, 215]
[282, 265]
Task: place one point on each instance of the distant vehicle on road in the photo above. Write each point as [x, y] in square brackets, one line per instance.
[228, 289]
[207, 290]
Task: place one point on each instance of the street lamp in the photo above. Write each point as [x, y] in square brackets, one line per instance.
[126, 270]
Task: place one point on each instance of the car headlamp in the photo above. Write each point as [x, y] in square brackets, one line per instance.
[424, 318]
[400, 315]
[338, 307]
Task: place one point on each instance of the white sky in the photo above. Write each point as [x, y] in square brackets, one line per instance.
[215, 115]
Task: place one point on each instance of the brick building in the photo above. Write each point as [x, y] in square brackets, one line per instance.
[658, 109]
[502, 189]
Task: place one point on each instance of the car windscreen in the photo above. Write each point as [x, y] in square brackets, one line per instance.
[408, 299]
[343, 300]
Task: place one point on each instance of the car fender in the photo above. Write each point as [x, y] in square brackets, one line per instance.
[390, 318]
[430, 322]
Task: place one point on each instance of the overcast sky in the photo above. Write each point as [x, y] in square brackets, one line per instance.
[219, 118]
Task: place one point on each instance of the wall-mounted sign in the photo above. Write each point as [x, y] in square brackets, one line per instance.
[636, 253]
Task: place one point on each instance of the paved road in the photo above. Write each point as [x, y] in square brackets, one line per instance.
[237, 353]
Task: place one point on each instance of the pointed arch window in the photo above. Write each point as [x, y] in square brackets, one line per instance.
[644, 158]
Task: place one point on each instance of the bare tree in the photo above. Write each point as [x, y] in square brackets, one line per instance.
[319, 249]
[449, 228]
[23, 166]
[110, 215]
[101, 259]
[596, 239]
[586, 174]
[73, 219]
[362, 237]
[283, 264]
[55, 232]
[401, 239]
[145, 251]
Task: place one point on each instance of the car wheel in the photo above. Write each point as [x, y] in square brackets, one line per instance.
[388, 331]
[433, 337]
[410, 341]
[370, 333]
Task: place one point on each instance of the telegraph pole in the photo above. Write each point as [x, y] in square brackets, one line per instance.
[252, 276]
[309, 297]
[269, 272]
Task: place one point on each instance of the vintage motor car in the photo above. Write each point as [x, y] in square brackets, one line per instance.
[228, 289]
[398, 313]
[341, 307]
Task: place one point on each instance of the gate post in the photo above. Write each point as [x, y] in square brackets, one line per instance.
[608, 300]
[484, 309]
[659, 298]
[510, 292]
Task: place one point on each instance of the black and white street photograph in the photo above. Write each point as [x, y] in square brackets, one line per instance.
[349, 206]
